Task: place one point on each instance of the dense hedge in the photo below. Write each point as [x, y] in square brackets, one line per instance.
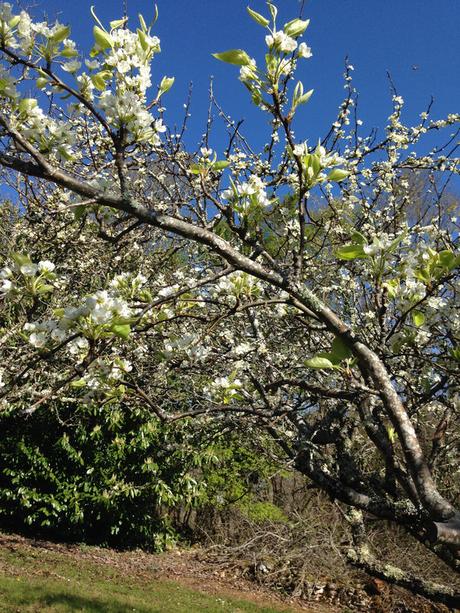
[103, 475]
[112, 476]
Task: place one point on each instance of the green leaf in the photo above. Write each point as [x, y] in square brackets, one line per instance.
[313, 161]
[271, 63]
[41, 82]
[165, 85]
[418, 318]
[337, 175]
[99, 79]
[351, 252]
[296, 27]
[447, 259]
[20, 259]
[258, 18]
[78, 383]
[118, 23]
[392, 287]
[79, 211]
[69, 52]
[27, 104]
[340, 349]
[396, 242]
[423, 275]
[121, 330]
[391, 433]
[238, 57]
[196, 169]
[124, 320]
[358, 238]
[319, 362]
[14, 21]
[299, 97]
[143, 39]
[64, 153]
[145, 296]
[234, 188]
[155, 17]
[273, 10]
[60, 34]
[102, 38]
[44, 288]
[298, 90]
[305, 97]
[220, 165]
[142, 22]
[96, 18]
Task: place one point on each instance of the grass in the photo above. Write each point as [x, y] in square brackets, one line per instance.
[46, 581]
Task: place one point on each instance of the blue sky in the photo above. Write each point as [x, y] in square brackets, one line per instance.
[418, 41]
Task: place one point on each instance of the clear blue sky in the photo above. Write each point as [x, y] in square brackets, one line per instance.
[418, 41]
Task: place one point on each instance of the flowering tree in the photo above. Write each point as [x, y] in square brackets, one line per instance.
[301, 288]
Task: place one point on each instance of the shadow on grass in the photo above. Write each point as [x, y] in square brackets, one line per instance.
[65, 602]
[40, 598]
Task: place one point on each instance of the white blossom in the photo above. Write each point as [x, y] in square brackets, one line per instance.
[281, 42]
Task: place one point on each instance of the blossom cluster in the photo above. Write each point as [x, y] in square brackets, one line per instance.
[281, 42]
[237, 285]
[248, 196]
[47, 134]
[124, 76]
[225, 389]
[21, 275]
[191, 345]
[100, 315]
[104, 378]
[115, 87]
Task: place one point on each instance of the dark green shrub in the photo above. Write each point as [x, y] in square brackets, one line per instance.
[105, 475]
